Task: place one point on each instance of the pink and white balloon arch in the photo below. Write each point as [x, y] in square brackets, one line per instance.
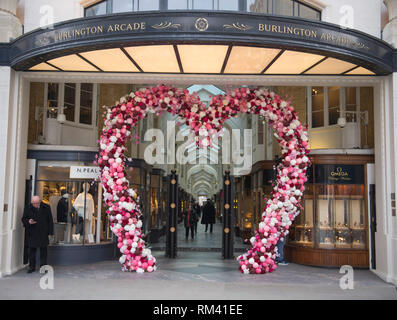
[121, 200]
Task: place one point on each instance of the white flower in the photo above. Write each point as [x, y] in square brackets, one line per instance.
[122, 259]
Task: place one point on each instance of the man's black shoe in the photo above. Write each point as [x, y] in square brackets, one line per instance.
[30, 270]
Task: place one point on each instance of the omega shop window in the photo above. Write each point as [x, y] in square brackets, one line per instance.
[75, 199]
[333, 215]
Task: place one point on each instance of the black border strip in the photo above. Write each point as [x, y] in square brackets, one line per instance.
[229, 50]
[131, 59]
[314, 65]
[178, 58]
[273, 61]
[351, 69]
[52, 65]
[88, 61]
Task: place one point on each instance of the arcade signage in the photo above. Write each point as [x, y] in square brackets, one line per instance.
[84, 172]
[339, 174]
[254, 29]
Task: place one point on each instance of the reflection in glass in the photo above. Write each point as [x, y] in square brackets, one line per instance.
[228, 5]
[177, 4]
[86, 94]
[203, 4]
[69, 101]
[147, 5]
[317, 107]
[283, 7]
[351, 102]
[333, 104]
[74, 207]
[122, 6]
[308, 13]
[96, 10]
[52, 100]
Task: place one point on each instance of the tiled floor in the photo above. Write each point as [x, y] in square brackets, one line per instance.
[194, 275]
[203, 241]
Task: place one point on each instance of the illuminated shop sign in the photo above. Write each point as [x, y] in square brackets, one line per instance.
[339, 174]
[129, 29]
[84, 172]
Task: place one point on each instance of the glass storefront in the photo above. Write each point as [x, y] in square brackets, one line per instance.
[334, 209]
[275, 7]
[75, 204]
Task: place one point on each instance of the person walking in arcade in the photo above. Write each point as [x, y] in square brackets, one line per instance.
[37, 220]
[208, 215]
[190, 221]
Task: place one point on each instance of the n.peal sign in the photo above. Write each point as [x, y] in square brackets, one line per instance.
[84, 172]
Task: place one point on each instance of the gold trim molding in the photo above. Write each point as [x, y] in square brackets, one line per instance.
[88, 3]
[238, 26]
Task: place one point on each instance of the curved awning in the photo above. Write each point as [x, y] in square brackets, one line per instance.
[199, 43]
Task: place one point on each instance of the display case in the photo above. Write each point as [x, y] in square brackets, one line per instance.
[332, 229]
[301, 231]
[340, 216]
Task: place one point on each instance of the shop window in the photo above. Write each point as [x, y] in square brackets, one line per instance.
[70, 101]
[96, 10]
[203, 4]
[308, 12]
[73, 204]
[147, 5]
[231, 5]
[86, 93]
[283, 7]
[259, 6]
[279, 7]
[317, 107]
[178, 4]
[78, 101]
[351, 99]
[52, 100]
[333, 105]
[122, 6]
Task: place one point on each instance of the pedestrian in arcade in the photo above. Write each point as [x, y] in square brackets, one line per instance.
[208, 215]
[37, 220]
[190, 221]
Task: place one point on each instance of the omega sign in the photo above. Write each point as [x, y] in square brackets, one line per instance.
[339, 174]
[83, 172]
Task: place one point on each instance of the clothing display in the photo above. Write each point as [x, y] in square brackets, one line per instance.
[62, 209]
[84, 203]
[53, 203]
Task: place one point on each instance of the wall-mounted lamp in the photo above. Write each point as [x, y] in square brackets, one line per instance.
[61, 118]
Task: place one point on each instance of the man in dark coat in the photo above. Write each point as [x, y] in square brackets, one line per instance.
[208, 215]
[37, 220]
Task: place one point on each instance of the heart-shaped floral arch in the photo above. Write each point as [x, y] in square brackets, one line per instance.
[284, 205]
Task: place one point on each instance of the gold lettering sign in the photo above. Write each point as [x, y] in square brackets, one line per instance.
[339, 174]
[302, 32]
[97, 30]
[311, 33]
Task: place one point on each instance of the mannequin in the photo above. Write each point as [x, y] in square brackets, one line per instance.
[89, 208]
